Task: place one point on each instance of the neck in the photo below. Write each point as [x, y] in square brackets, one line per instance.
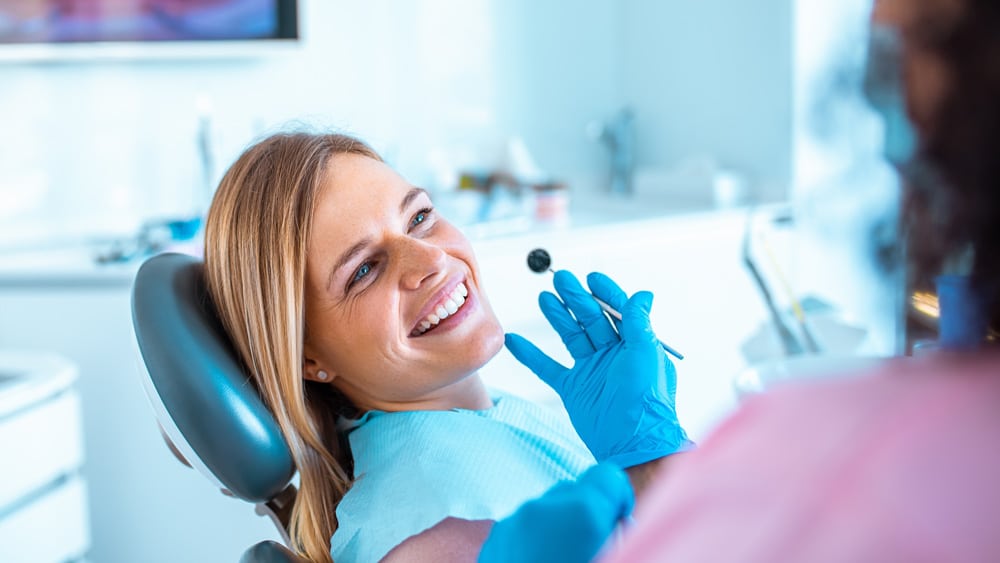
[468, 393]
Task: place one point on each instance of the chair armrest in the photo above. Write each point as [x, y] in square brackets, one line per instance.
[270, 552]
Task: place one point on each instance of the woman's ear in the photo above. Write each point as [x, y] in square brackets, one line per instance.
[312, 371]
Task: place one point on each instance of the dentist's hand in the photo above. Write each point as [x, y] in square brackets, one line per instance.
[620, 391]
[570, 522]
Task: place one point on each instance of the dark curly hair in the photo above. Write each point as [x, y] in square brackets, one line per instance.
[952, 204]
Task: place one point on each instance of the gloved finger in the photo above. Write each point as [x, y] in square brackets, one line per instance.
[547, 369]
[636, 328]
[570, 522]
[562, 321]
[586, 310]
[586, 510]
[605, 289]
[605, 496]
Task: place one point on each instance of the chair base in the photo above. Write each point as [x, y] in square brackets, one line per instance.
[270, 552]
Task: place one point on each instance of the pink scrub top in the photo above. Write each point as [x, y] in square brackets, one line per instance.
[898, 465]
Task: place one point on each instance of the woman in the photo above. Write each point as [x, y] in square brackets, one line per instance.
[362, 317]
[898, 465]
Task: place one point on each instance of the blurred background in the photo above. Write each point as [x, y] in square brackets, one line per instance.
[667, 143]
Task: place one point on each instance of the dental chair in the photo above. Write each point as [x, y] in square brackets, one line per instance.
[207, 406]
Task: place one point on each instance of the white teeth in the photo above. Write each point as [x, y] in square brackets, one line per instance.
[449, 307]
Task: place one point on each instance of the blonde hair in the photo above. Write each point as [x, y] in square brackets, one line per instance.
[255, 263]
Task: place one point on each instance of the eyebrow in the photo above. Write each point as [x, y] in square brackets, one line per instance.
[348, 256]
[409, 197]
[356, 249]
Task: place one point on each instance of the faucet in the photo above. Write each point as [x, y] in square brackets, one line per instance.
[618, 135]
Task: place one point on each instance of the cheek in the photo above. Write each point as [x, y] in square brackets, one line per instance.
[452, 239]
[372, 319]
[460, 247]
[349, 336]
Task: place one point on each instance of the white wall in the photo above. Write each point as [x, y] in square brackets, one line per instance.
[558, 67]
[102, 146]
[712, 78]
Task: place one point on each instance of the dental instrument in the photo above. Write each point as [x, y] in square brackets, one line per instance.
[540, 261]
[800, 316]
[791, 344]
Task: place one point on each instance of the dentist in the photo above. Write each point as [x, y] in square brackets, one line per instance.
[898, 465]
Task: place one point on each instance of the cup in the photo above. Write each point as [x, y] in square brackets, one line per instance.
[962, 318]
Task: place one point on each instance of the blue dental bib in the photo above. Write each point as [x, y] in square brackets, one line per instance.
[415, 469]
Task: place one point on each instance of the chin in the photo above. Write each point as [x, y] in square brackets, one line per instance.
[488, 343]
[495, 342]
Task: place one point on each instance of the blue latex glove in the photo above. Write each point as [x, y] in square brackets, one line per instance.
[620, 391]
[569, 523]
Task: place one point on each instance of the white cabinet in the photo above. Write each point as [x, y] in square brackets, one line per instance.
[43, 498]
[705, 307]
[143, 504]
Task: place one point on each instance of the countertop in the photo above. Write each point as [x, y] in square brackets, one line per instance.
[74, 263]
[27, 377]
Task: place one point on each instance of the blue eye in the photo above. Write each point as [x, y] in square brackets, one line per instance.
[420, 217]
[363, 271]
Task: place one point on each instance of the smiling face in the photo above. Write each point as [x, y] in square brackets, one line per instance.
[394, 307]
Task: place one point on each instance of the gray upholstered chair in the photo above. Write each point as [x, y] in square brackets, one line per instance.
[207, 406]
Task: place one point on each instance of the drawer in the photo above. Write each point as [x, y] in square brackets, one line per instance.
[40, 443]
[52, 528]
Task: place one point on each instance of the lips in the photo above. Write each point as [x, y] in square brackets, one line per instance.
[447, 302]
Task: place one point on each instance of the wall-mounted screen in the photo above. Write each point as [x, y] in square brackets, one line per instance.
[134, 26]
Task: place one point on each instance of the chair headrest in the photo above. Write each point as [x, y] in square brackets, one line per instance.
[205, 401]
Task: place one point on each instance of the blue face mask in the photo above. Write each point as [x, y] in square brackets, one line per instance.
[883, 87]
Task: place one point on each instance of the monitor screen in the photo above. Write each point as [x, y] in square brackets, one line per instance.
[38, 22]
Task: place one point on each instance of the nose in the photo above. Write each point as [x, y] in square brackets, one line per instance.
[420, 262]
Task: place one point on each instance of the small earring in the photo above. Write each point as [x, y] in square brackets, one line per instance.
[322, 375]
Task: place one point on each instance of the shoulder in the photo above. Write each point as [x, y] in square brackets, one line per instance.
[415, 471]
[451, 540]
